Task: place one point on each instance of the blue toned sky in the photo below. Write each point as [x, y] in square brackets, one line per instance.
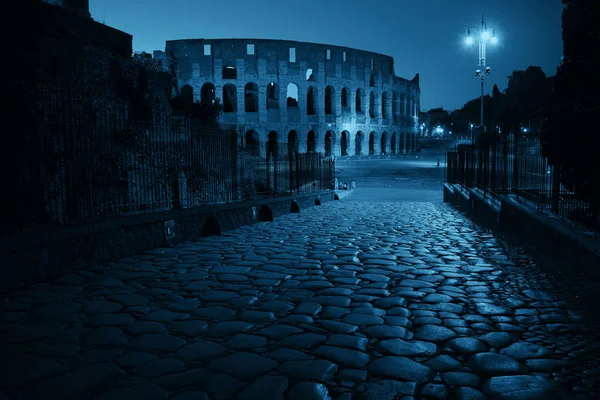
[423, 36]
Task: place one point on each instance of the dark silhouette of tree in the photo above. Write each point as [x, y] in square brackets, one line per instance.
[183, 105]
[569, 136]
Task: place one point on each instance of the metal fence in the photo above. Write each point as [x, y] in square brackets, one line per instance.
[513, 164]
[76, 159]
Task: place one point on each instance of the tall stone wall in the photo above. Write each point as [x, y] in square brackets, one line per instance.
[260, 72]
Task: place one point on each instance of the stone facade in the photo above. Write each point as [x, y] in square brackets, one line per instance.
[349, 102]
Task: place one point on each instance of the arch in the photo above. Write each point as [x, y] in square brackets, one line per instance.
[272, 143]
[394, 144]
[251, 97]
[265, 214]
[208, 93]
[292, 144]
[187, 94]
[329, 142]
[317, 202]
[395, 106]
[372, 81]
[252, 143]
[372, 143]
[311, 142]
[292, 95]
[335, 196]
[344, 102]
[311, 100]
[359, 101]
[329, 104]
[344, 143]
[229, 98]
[402, 146]
[310, 75]
[294, 207]
[229, 72]
[211, 227]
[385, 101]
[358, 142]
[408, 142]
[384, 143]
[372, 105]
[272, 96]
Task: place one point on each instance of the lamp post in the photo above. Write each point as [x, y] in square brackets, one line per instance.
[486, 35]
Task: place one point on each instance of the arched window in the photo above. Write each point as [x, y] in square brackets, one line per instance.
[252, 143]
[344, 98]
[229, 98]
[251, 97]
[329, 100]
[207, 93]
[272, 96]
[229, 72]
[358, 142]
[311, 142]
[372, 143]
[292, 144]
[359, 97]
[187, 94]
[311, 100]
[329, 143]
[344, 143]
[292, 95]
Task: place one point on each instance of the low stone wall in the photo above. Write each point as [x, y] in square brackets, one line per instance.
[524, 224]
[34, 257]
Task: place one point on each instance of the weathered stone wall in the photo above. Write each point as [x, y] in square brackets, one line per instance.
[395, 100]
[524, 226]
[34, 257]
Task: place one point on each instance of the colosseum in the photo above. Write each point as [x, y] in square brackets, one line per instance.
[314, 97]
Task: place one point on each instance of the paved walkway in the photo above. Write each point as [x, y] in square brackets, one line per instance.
[353, 300]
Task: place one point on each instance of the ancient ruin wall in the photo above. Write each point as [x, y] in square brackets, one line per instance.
[254, 78]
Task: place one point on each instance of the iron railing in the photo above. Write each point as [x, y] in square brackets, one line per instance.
[75, 159]
[513, 164]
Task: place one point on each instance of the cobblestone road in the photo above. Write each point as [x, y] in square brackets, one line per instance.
[353, 300]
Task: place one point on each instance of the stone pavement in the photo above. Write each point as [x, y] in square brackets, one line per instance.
[349, 300]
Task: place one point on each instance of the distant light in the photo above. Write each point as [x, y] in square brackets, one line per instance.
[485, 35]
[468, 40]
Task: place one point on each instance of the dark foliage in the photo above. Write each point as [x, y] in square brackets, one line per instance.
[568, 140]
[204, 113]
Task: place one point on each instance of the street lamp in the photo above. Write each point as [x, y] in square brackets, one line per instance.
[485, 35]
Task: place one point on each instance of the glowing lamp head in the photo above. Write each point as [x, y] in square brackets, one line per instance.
[485, 35]
[468, 40]
[494, 40]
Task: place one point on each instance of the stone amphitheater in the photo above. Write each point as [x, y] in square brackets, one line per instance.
[307, 97]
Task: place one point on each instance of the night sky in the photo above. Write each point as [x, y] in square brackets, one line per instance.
[424, 36]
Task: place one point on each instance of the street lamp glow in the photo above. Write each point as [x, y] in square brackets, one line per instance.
[468, 40]
[485, 35]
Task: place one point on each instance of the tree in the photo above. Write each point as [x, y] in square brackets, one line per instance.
[568, 140]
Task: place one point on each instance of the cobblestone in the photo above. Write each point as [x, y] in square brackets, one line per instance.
[330, 303]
